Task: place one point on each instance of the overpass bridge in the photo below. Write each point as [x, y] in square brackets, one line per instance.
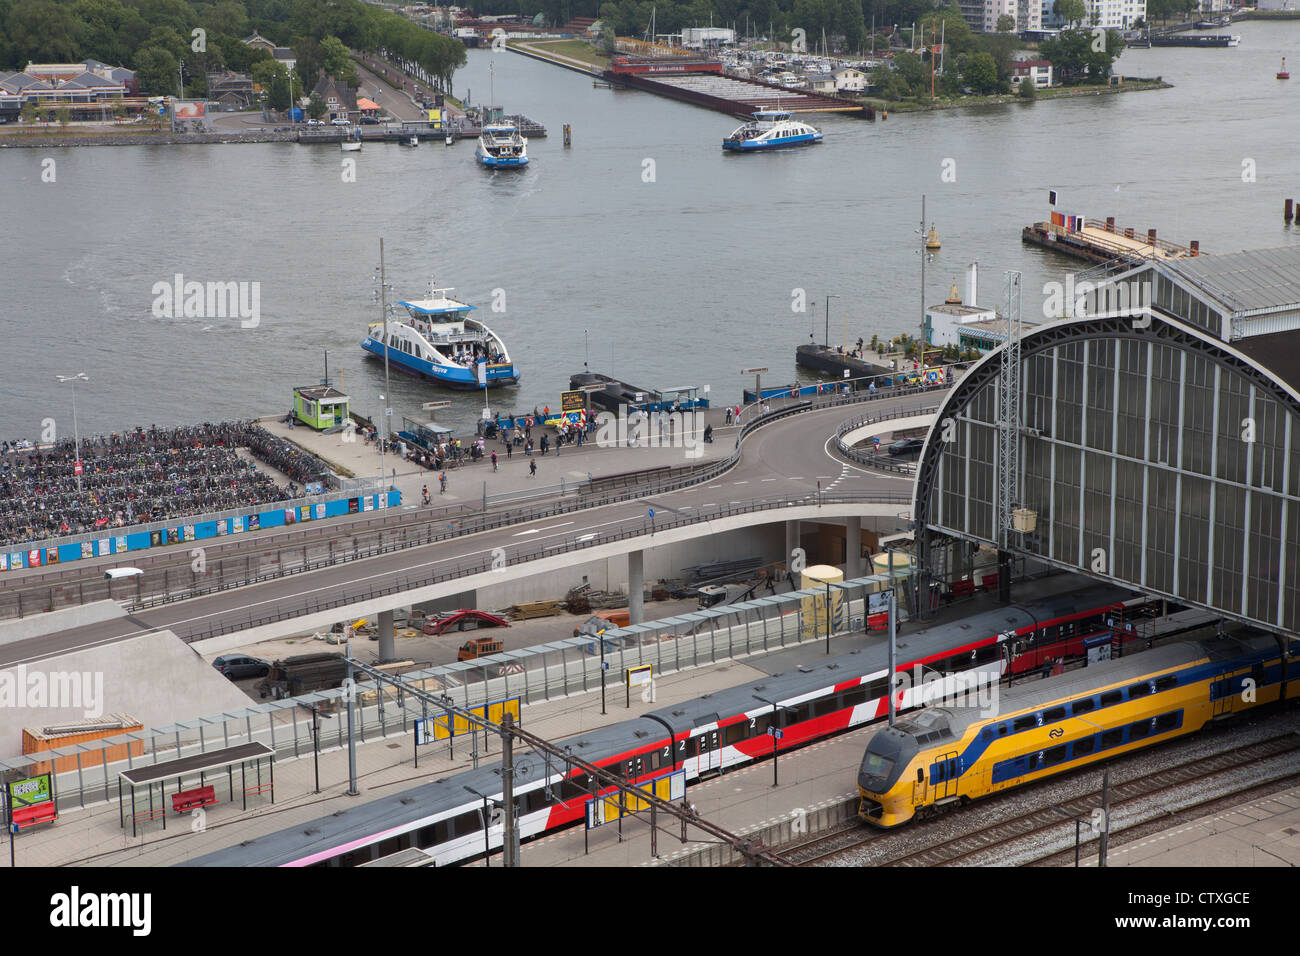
[785, 468]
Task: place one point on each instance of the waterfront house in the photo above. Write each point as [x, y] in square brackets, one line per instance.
[1040, 71]
[340, 99]
[230, 91]
[850, 80]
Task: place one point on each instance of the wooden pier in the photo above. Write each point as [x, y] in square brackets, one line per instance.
[1102, 241]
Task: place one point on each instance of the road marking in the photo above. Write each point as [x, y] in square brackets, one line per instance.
[745, 482]
[768, 479]
[586, 537]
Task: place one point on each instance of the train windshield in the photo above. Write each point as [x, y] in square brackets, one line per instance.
[874, 765]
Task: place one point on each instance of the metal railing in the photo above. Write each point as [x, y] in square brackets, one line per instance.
[874, 459]
[552, 671]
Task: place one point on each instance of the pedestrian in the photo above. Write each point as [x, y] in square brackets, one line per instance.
[426, 494]
[510, 451]
[494, 461]
[532, 468]
[442, 481]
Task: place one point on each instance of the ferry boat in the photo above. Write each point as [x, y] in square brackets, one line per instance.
[442, 343]
[771, 129]
[501, 146]
[352, 143]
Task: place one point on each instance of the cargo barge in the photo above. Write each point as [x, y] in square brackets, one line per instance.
[832, 361]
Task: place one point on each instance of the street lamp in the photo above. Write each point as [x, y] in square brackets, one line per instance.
[827, 341]
[315, 738]
[774, 730]
[483, 814]
[76, 435]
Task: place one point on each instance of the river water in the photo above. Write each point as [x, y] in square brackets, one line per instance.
[642, 249]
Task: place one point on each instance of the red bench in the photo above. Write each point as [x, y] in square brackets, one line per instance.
[189, 799]
[35, 815]
[878, 622]
[963, 588]
[989, 582]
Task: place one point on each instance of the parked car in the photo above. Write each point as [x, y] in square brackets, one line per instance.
[465, 619]
[340, 122]
[315, 122]
[240, 667]
[369, 121]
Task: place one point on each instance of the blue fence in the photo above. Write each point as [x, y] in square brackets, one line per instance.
[194, 530]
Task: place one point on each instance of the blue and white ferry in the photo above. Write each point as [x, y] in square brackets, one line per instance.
[502, 146]
[771, 129]
[442, 343]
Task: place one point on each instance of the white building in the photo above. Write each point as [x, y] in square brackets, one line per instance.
[698, 38]
[1040, 71]
[1277, 4]
[983, 15]
[967, 326]
[1115, 14]
[850, 80]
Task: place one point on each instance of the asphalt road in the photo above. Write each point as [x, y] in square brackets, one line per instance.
[788, 457]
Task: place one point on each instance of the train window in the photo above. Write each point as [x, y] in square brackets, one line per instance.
[987, 733]
[1166, 682]
[855, 697]
[467, 823]
[1138, 690]
[655, 759]
[1002, 730]
[1111, 698]
[1033, 762]
[988, 653]
[937, 772]
[426, 837]
[1111, 738]
[1166, 722]
[1138, 730]
[357, 857]
[1066, 631]
[800, 714]
[389, 847]
[824, 706]
[442, 831]
[1024, 723]
[877, 689]
[735, 733]
[1082, 706]
[1055, 755]
[1083, 747]
[1056, 713]
[758, 725]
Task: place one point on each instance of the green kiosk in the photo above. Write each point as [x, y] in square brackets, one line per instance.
[323, 407]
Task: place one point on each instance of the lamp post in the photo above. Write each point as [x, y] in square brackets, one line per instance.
[774, 731]
[76, 435]
[1077, 822]
[483, 814]
[315, 738]
[388, 388]
[827, 340]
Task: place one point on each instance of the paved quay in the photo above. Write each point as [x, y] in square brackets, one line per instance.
[92, 836]
[1260, 832]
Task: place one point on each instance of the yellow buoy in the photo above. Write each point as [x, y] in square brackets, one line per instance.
[932, 240]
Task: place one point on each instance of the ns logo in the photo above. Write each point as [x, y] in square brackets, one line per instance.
[1056, 732]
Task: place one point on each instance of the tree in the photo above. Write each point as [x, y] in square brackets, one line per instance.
[64, 114]
[1027, 90]
[273, 78]
[1006, 23]
[315, 106]
[41, 30]
[337, 61]
[607, 36]
[156, 71]
[1071, 12]
[981, 73]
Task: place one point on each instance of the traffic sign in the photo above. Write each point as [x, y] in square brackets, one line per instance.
[776, 732]
[604, 665]
[652, 512]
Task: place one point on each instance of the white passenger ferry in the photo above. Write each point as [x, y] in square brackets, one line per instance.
[771, 129]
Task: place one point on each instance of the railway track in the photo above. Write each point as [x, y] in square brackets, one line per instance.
[962, 846]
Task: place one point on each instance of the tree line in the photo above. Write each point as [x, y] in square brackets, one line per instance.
[155, 37]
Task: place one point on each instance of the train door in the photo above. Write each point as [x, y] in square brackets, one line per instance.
[708, 752]
[943, 776]
[920, 791]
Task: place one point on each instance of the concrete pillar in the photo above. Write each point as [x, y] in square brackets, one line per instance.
[791, 540]
[387, 642]
[635, 586]
[853, 548]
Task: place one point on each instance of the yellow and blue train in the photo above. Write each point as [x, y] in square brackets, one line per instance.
[945, 755]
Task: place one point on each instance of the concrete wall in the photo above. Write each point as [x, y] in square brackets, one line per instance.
[35, 625]
[666, 561]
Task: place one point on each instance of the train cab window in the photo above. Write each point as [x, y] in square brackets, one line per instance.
[986, 734]
[1111, 698]
[1024, 723]
[1138, 690]
[1083, 747]
[1056, 713]
[1055, 755]
[1082, 706]
[1166, 682]
[1112, 738]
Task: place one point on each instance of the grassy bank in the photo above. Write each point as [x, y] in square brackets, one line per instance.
[573, 49]
[1065, 92]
